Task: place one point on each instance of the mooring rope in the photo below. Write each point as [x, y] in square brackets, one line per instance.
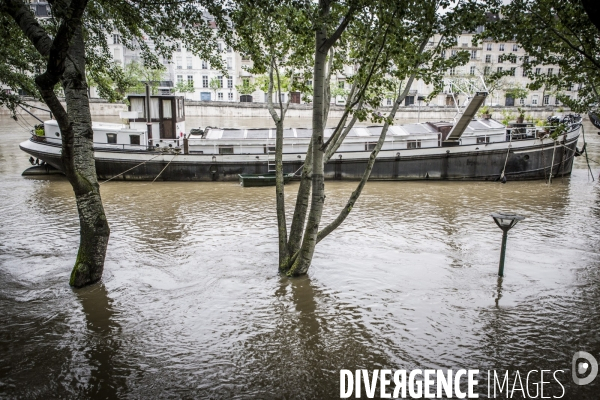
[164, 168]
[552, 164]
[116, 176]
[507, 154]
[586, 154]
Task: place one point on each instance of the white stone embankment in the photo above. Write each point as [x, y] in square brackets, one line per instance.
[101, 108]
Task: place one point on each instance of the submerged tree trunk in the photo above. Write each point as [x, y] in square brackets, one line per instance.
[80, 169]
[302, 262]
[65, 53]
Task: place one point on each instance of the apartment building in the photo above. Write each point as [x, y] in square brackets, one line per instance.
[210, 84]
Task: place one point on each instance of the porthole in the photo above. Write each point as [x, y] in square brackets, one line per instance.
[526, 157]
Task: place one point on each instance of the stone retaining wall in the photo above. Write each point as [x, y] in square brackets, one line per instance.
[232, 110]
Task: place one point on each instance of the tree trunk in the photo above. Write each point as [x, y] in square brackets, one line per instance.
[80, 169]
[302, 262]
[284, 255]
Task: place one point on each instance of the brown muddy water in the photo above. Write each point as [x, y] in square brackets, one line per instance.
[191, 305]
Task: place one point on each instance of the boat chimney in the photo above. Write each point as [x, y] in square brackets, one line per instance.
[148, 117]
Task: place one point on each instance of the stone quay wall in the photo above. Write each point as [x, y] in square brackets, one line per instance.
[102, 108]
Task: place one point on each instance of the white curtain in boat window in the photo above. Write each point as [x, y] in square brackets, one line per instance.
[167, 114]
[137, 104]
[154, 108]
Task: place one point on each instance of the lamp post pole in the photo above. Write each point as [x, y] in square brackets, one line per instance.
[502, 253]
[505, 221]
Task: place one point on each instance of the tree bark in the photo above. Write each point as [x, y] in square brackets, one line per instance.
[302, 262]
[80, 169]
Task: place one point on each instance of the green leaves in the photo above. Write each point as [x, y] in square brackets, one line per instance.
[556, 33]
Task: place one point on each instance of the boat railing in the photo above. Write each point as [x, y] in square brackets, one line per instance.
[530, 131]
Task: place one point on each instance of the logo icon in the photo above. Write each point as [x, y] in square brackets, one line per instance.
[584, 363]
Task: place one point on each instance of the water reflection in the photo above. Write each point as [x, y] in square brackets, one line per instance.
[107, 379]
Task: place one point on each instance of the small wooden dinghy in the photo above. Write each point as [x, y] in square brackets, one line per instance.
[267, 179]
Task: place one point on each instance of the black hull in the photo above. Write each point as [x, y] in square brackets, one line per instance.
[594, 119]
[524, 163]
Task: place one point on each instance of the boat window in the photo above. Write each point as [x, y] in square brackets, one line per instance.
[413, 144]
[137, 104]
[134, 139]
[370, 146]
[483, 139]
[154, 108]
[269, 149]
[225, 149]
[167, 114]
[111, 138]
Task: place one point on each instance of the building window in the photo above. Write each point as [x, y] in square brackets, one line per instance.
[191, 80]
[229, 63]
[370, 146]
[515, 47]
[454, 52]
[483, 139]
[556, 101]
[341, 84]
[389, 102]
[230, 82]
[501, 47]
[473, 54]
[189, 62]
[500, 59]
[513, 71]
[499, 69]
[550, 71]
[204, 64]
[220, 96]
[546, 100]
[179, 78]
[178, 62]
[116, 38]
[413, 144]
[522, 101]
[245, 57]
[111, 138]
[472, 70]
[178, 47]
[538, 71]
[489, 47]
[452, 71]
[524, 72]
[225, 149]
[220, 46]
[230, 96]
[443, 54]
[488, 58]
[220, 80]
[204, 81]
[487, 70]
[134, 139]
[534, 100]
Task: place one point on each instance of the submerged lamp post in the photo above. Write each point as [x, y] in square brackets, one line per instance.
[505, 221]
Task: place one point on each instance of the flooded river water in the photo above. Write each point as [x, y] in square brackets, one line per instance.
[191, 305]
